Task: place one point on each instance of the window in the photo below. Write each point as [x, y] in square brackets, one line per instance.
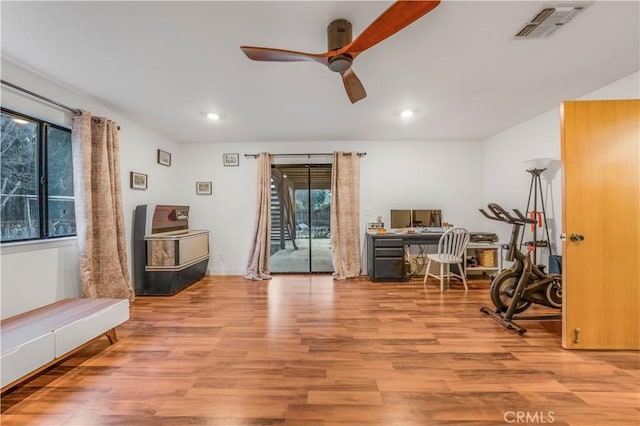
[36, 178]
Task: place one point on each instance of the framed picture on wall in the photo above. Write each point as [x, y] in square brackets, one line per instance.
[204, 188]
[231, 159]
[138, 180]
[164, 158]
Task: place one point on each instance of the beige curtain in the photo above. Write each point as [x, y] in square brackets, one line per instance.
[345, 215]
[258, 265]
[98, 205]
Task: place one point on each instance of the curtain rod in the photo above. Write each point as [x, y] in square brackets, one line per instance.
[35, 95]
[360, 154]
[74, 111]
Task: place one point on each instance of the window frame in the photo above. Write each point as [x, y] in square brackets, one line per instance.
[42, 179]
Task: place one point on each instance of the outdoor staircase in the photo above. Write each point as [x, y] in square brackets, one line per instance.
[279, 233]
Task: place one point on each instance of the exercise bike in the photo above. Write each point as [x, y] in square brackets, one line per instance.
[516, 288]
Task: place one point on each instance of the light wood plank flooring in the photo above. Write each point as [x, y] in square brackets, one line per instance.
[307, 350]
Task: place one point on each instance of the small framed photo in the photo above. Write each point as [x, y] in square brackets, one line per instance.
[231, 159]
[138, 180]
[164, 158]
[203, 188]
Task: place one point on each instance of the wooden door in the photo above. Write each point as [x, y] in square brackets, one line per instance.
[601, 202]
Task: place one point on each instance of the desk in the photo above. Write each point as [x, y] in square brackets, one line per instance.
[385, 254]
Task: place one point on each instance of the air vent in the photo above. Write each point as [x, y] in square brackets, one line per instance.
[548, 20]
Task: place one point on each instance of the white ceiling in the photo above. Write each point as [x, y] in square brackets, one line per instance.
[165, 64]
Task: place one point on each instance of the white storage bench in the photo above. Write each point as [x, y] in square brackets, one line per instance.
[37, 339]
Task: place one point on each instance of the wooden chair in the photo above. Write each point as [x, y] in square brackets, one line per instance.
[451, 248]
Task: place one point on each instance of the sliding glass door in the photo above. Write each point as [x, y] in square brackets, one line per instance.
[301, 218]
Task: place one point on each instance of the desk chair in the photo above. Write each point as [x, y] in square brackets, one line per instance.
[451, 249]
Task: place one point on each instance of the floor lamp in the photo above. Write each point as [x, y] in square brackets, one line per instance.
[535, 169]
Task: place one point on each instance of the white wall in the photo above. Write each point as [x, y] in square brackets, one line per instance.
[34, 274]
[505, 180]
[395, 175]
[456, 176]
[443, 175]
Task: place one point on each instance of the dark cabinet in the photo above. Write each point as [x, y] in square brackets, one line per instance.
[388, 269]
[385, 254]
[385, 258]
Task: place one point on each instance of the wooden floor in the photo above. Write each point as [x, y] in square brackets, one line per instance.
[305, 350]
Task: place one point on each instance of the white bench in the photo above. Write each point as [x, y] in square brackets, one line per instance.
[37, 339]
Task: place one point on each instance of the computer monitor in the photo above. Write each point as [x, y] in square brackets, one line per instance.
[427, 218]
[400, 218]
[416, 218]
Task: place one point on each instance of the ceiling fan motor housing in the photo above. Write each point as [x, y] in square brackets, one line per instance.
[339, 34]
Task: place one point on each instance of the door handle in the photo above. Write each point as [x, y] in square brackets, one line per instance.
[576, 238]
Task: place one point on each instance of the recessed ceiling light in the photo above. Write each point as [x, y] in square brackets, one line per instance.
[214, 116]
[407, 113]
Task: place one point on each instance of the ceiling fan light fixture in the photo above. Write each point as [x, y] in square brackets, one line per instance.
[340, 63]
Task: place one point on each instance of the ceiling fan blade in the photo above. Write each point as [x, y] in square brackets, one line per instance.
[280, 55]
[399, 15]
[353, 86]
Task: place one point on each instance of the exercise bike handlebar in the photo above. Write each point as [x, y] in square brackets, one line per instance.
[523, 218]
[502, 215]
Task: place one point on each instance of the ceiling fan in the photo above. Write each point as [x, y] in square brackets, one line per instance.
[343, 50]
